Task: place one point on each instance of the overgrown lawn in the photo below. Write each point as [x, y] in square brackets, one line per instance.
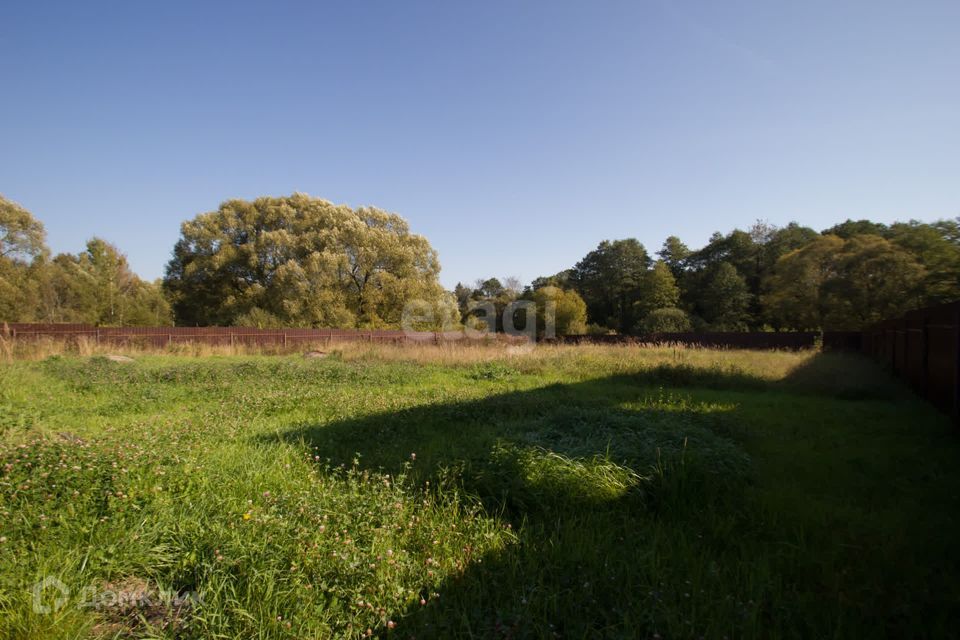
[565, 493]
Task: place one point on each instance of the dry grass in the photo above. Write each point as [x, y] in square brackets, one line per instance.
[577, 360]
[11, 350]
[582, 359]
[766, 364]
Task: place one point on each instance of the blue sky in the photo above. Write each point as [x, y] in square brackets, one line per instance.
[514, 135]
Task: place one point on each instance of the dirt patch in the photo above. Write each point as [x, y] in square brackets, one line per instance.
[118, 358]
[131, 606]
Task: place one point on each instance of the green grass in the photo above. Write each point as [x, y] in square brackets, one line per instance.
[568, 493]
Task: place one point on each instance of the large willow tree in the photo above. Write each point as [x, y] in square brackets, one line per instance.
[300, 261]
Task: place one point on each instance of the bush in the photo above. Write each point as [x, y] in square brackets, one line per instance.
[666, 320]
[258, 318]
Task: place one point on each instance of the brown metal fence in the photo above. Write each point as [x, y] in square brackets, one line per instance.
[163, 336]
[291, 338]
[923, 347]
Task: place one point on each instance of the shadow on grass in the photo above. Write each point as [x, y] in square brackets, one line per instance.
[593, 477]
[630, 505]
[847, 376]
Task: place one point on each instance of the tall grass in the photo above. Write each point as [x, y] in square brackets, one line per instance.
[769, 364]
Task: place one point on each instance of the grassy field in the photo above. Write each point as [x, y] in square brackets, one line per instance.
[441, 493]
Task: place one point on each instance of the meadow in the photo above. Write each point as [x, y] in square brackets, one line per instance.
[457, 492]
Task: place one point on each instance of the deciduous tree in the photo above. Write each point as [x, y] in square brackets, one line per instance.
[303, 260]
[569, 309]
[609, 278]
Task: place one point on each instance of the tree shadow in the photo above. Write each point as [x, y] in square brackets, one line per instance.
[595, 478]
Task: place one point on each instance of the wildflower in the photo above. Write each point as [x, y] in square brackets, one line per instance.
[247, 516]
[391, 624]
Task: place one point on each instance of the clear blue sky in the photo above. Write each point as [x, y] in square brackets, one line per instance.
[514, 135]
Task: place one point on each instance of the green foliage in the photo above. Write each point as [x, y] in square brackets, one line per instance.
[98, 287]
[22, 237]
[560, 280]
[20, 286]
[22, 253]
[674, 254]
[259, 319]
[609, 280]
[744, 281]
[726, 300]
[483, 306]
[932, 247]
[666, 320]
[843, 284]
[302, 260]
[851, 228]
[793, 300]
[568, 308]
[875, 281]
[657, 291]
[95, 287]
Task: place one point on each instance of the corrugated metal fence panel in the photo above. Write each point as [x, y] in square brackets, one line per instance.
[923, 347]
[943, 356]
[900, 346]
[915, 350]
[161, 336]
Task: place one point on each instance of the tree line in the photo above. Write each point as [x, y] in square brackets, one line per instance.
[300, 261]
[767, 278]
[292, 261]
[95, 286]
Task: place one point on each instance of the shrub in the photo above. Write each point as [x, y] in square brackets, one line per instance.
[666, 320]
